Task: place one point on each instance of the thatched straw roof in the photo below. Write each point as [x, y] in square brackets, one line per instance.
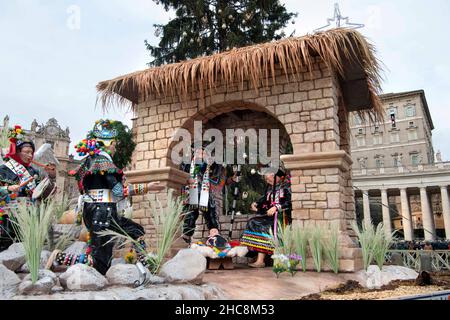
[345, 51]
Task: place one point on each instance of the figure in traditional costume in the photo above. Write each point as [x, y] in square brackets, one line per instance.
[206, 178]
[273, 210]
[20, 181]
[104, 193]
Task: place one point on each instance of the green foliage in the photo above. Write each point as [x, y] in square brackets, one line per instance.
[316, 245]
[251, 184]
[301, 236]
[167, 221]
[374, 242]
[365, 238]
[61, 207]
[31, 224]
[125, 145]
[64, 241]
[210, 26]
[381, 243]
[285, 250]
[331, 247]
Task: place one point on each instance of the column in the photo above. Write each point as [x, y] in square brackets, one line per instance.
[386, 214]
[446, 211]
[406, 216]
[366, 207]
[427, 215]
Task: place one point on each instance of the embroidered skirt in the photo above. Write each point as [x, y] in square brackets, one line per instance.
[257, 235]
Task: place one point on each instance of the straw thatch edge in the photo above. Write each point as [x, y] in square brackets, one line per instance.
[257, 63]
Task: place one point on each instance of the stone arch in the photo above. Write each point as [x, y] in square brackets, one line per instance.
[220, 109]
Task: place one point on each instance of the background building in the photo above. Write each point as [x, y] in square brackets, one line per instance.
[397, 179]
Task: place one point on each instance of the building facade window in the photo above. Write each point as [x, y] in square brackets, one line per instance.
[410, 111]
[358, 120]
[397, 160]
[379, 162]
[415, 159]
[360, 141]
[377, 139]
[395, 137]
[392, 111]
[412, 134]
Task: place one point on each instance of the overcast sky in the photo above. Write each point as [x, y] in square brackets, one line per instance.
[54, 52]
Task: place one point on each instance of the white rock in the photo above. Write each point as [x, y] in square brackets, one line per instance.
[14, 257]
[46, 281]
[188, 265]
[45, 255]
[9, 283]
[375, 279]
[166, 292]
[78, 247]
[154, 279]
[391, 273]
[82, 277]
[123, 274]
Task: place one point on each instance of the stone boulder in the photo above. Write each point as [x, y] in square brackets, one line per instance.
[123, 274]
[14, 257]
[78, 247]
[391, 273]
[9, 283]
[46, 281]
[374, 278]
[188, 265]
[71, 230]
[165, 292]
[45, 255]
[82, 277]
[116, 261]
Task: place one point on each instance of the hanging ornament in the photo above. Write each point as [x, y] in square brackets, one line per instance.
[230, 17]
[253, 171]
[219, 11]
[224, 26]
[244, 195]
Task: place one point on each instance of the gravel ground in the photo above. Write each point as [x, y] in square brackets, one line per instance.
[398, 292]
[352, 290]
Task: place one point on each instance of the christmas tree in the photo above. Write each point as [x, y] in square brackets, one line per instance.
[204, 27]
